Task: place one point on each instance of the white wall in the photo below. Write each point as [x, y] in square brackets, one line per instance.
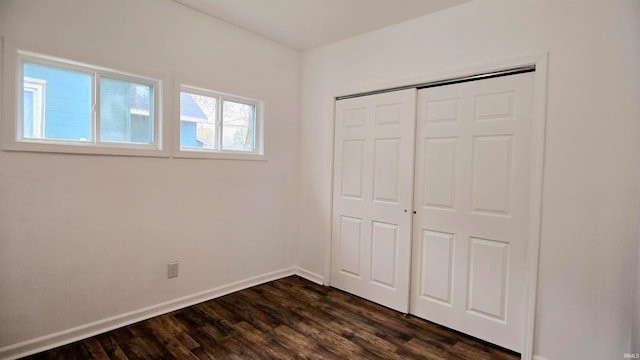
[590, 202]
[84, 238]
[635, 330]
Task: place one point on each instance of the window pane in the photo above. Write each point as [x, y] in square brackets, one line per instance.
[31, 121]
[197, 121]
[56, 104]
[238, 126]
[126, 112]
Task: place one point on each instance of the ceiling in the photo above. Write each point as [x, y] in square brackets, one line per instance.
[304, 24]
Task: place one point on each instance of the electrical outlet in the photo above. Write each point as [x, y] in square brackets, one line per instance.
[172, 270]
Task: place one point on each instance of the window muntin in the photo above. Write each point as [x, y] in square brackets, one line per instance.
[85, 105]
[218, 123]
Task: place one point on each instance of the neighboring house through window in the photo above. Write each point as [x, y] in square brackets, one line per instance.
[126, 111]
[33, 95]
[197, 128]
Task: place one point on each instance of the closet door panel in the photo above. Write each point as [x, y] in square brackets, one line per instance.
[473, 163]
[373, 193]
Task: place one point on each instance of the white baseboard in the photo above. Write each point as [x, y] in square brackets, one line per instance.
[68, 336]
[309, 275]
[537, 357]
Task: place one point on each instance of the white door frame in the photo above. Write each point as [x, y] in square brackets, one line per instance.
[537, 166]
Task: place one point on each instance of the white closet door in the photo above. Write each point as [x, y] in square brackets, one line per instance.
[473, 163]
[372, 197]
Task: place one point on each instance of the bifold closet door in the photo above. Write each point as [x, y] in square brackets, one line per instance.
[372, 197]
[473, 160]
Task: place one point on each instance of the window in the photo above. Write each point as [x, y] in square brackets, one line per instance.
[68, 106]
[216, 123]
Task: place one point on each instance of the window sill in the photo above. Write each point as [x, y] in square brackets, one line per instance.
[195, 154]
[87, 149]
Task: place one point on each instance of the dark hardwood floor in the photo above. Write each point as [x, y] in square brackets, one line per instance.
[290, 318]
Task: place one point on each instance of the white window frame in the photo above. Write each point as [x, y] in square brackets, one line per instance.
[14, 140]
[218, 153]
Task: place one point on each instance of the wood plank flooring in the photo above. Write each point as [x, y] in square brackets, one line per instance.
[290, 318]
